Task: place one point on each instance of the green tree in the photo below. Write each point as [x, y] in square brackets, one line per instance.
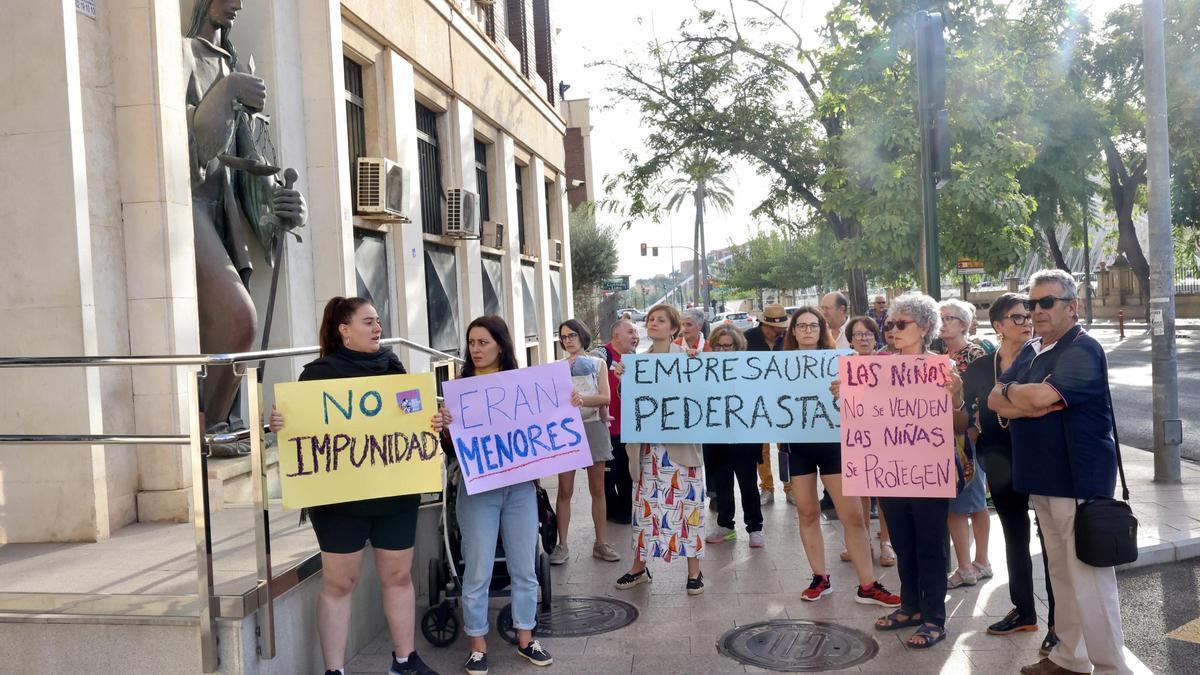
[701, 182]
[593, 257]
[833, 125]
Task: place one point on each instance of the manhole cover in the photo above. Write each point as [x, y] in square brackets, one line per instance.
[578, 616]
[797, 645]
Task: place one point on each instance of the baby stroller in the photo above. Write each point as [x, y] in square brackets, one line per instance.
[440, 623]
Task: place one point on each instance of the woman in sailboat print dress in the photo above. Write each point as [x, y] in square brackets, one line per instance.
[668, 498]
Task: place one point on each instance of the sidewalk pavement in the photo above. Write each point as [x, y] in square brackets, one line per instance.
[679, 633]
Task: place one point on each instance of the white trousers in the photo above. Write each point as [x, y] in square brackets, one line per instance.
[1087, 613]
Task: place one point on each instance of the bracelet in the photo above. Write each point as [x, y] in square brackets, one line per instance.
[1004, 391]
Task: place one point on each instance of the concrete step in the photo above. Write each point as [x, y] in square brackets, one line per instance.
[229, 479]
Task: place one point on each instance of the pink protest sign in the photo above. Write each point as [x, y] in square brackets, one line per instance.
[515, 426]
[897, 426]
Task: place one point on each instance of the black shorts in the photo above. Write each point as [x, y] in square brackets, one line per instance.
[809, 458]
[342, 530]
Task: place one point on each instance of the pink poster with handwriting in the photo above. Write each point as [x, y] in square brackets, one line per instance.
[515, 426]
[897, 426]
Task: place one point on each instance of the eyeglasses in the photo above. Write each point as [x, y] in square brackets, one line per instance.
[724, 346]
[952, 318]
[863, 336]
[1045, 302]
[807, 327]
[880, 302]
[898, 324]
[568, 336]
[1018, 319]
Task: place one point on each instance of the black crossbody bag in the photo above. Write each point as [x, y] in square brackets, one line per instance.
[1105, 528]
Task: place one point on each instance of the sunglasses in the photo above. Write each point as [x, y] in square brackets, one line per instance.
[1045, 302]
[1018, 319]
[898, 324]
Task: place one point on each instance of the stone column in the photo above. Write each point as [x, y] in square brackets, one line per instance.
[50, 493]
[160, 272]
[330, 210]
[408, 243]
[535, 217]
[460, 172]
[505, 210]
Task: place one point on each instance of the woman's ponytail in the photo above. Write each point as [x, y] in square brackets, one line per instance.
[338, 311]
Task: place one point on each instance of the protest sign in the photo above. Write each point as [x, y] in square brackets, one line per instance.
[515, 426]
[897, 427]
[357, 438]
[730, 397]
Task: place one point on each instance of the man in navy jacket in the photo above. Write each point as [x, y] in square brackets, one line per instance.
[1055, 395]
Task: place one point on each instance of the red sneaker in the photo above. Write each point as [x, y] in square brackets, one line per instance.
[817, 589]
[877, 595]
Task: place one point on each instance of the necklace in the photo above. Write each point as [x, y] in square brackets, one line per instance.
[995, 378]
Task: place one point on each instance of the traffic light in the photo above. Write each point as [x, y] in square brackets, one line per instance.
[655, 251]
[643, 249]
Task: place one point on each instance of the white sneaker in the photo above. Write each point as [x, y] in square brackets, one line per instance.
[560, 554]
[766, 498]
[721, 534]
[605, 551]
[756, 540]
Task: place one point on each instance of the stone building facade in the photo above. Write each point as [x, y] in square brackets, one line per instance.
[95, 213]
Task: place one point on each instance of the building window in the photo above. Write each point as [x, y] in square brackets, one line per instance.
[356, 119]
[529, 301]
[493, 285]
[520, 26]
[430, 167]
[544, 45]
[441, 298]
[481, 180]
[371, 274]
[520, 174]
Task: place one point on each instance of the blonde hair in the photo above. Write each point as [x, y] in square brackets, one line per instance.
[739, 339]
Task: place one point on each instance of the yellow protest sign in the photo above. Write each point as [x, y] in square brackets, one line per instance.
[357, 438]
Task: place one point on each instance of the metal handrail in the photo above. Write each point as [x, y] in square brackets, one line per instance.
[267, 587]
[195, 359]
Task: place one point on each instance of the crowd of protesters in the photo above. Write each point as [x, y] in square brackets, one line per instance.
[1031, 420]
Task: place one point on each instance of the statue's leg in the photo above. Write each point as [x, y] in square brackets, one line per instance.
[227, 316]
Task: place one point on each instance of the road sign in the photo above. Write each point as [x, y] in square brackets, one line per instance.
[966, 267]
[620, 283]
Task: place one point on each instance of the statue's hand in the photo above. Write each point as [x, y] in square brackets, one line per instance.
[249, 89]
[289, 207]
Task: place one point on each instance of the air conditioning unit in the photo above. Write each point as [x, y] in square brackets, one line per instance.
[556, 249]
[462, 214]
[493, 234]
[382, 188]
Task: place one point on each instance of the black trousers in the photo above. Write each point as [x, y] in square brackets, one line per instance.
[918, 529]
[722, 463]
[1012, 508]
[618, 486]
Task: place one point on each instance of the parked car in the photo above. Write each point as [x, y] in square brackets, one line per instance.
[634, 314]
[739, 320]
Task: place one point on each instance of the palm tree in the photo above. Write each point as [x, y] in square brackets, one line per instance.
[702, 180]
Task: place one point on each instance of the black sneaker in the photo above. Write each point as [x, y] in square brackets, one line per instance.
[477, 664]
[334, 672]
[695, 586]
[413, 666]
[628, 580]
[536, 654]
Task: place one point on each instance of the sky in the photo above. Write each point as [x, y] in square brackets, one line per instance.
[611, 30]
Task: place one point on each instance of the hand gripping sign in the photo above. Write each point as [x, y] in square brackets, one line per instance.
[357, 438]
[515, 426]
[897, 426]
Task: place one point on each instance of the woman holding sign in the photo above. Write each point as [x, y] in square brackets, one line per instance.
[509, 512]
[668, 480]
[917, 523]
[350, 333]
[808, 330]
[590, 376]
[863, 334]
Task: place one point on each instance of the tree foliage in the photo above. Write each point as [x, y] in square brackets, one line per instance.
[593, 258]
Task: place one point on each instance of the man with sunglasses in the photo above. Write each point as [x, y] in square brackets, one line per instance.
[1055, 401]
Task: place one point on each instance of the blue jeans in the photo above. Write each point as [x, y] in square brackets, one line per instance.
[511, 512]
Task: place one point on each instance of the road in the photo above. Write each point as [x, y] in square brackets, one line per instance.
[1130, 377]
[1156, 601]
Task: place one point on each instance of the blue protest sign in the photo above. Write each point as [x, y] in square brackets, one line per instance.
[730, 397]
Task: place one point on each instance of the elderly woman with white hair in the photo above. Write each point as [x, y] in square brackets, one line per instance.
[969, 508]
[916, 522]
[695, 327]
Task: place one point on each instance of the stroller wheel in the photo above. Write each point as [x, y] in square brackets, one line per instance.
[543, 574]
[437, 581]
[439, 625]
[504, 625]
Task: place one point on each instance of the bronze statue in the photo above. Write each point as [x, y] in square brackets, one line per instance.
[234, 194]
